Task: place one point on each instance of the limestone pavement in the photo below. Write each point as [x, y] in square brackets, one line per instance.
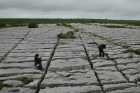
[71, 65]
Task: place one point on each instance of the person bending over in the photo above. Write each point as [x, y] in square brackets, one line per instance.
[101, 51]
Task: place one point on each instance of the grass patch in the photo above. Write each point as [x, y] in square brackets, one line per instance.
[84, 32]
[94, 58]
[93, 43]
[4, 85]
[125, 46]
[26, 80]
[76, 30]
[62, 43]
[132, 50]
[69, 34]
[108, 58]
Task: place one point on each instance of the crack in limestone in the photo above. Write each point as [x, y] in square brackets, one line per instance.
[46, 68]
[13, 48]
[92, 66]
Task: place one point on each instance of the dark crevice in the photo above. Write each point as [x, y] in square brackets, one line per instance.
[46, 69]
[13, 48]
[92, 67]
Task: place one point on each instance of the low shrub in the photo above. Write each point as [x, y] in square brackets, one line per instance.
[69, 34]
[32, 24]
[2, 24]
[114, 26]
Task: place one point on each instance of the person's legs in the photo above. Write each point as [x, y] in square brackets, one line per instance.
[40, 67]
[100, 51]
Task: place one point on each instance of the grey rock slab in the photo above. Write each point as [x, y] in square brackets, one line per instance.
[131, 71]
[32, 85]
[6, 46]
[73, 77]
[33, 50]
[129, 66]
[107, 68]
[23, 59]
[34, 46]
[2, 54]
[121, 86]
[97, 63]
[12, 72]
[126, 90]
[60, 63]
[28, 54]
[70, 54]
[34, 76]
[7, 41]
[133, 78]
[76, 89]
[127, 61]
[110, 77]
[19, 65]
[14, 83]
[70, 47]
[17, 90]
[16, 59]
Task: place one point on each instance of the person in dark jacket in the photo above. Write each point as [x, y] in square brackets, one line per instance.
[38, 61]
[101, 51]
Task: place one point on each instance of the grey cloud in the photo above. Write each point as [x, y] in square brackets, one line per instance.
[71, 8]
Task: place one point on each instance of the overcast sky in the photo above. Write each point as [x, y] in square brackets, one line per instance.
[97, 9]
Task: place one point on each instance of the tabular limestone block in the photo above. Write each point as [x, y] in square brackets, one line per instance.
[102, 63]
[76, 89]
[126, 90]
[110, 77]
[127, 61]
[61, 63]
[17, 90]
[11, 72]
[14, 83]
[71, 78]
[131, 71]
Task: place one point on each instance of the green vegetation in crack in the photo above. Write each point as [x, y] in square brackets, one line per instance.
[93, 43]
[26, 80]
[137, 51]
[4, 85]
[94, 58]
[62, 43]
[49, 48]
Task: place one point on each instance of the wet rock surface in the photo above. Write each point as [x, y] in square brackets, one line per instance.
[71, 65]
